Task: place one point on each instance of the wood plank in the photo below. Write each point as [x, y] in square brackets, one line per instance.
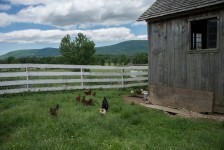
[215, 77]
[69, 66]
[73, 74]
[185, 48]
[13, 74]
[135, 79]
[4, 66]
[154, 54]
[149, 30]
[197, 71]
[70, 88]
[167, 109]
[131, 73]
[164, 54]
[9, 83]
[180, 112]
[205, 72]
[169, 58]
[222, 59]
[56, 81]
[70, 74]
[198, 101]
[218, 109]
[54, 74]
[176, 42]
[194, 75]
[160, 54]
[185, 113]
[11, 66]
[180, 53]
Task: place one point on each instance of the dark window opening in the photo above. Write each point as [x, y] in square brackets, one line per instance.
[204, 34]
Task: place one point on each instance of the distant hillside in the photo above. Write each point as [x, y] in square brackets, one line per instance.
[45, 52]
[127, 48]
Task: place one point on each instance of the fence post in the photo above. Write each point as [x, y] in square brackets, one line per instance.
[81, 69]
[27, 78]
[122, 77]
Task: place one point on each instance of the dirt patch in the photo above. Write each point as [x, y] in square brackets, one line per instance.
[180, 112]
[135, 99]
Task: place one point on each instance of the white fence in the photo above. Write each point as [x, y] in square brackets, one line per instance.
[16, 78]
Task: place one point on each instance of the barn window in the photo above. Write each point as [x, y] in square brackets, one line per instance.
[204, 34]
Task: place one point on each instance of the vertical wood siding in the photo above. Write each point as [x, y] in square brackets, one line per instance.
[221, 26]
[171, 64]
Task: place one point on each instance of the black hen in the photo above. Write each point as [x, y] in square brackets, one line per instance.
[105, 104]
[53, 110]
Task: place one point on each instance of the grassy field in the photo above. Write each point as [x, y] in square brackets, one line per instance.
[25, 123]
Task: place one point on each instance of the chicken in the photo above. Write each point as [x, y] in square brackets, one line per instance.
[78, 98]
[105, 104]
[87, 102]
[103, 111]
[53, 110]
[139, 91]
[88, 92]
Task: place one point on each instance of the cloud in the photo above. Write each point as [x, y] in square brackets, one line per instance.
[79, 13]
[5, 7]
[27, 2]
[55, 36]
[6, 19]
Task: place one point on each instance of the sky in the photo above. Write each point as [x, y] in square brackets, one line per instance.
[31, 24]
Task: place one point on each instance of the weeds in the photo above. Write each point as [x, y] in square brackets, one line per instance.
[25, 123]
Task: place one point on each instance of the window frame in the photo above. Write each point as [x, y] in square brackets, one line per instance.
[209, 50]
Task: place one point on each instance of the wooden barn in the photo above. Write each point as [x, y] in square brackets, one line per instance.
[186, 54]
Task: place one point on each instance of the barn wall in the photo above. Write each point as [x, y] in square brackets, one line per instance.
[221, 99]
[172, 65]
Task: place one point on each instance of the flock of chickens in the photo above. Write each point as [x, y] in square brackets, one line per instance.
[137, 91]
[86, 102]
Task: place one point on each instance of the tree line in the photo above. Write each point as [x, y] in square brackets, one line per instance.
[81, 51]
[139, 58]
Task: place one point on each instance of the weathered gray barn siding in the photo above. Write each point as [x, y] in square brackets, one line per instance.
[221, 26]
[172, 65]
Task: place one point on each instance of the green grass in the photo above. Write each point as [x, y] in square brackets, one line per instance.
[26, 124]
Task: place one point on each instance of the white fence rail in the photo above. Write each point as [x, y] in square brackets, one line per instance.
[16, 78]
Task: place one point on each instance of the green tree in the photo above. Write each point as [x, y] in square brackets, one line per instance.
[102, 61]
[140, 58]
[79, 51]
[12, 60]
[109, 62]
[123, 60]
[115, 60]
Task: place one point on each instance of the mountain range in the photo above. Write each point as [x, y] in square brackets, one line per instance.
[126, 48]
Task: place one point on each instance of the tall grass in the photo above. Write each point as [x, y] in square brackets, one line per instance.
[25, 123]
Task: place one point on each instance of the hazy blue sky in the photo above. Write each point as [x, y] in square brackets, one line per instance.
[28, 24]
